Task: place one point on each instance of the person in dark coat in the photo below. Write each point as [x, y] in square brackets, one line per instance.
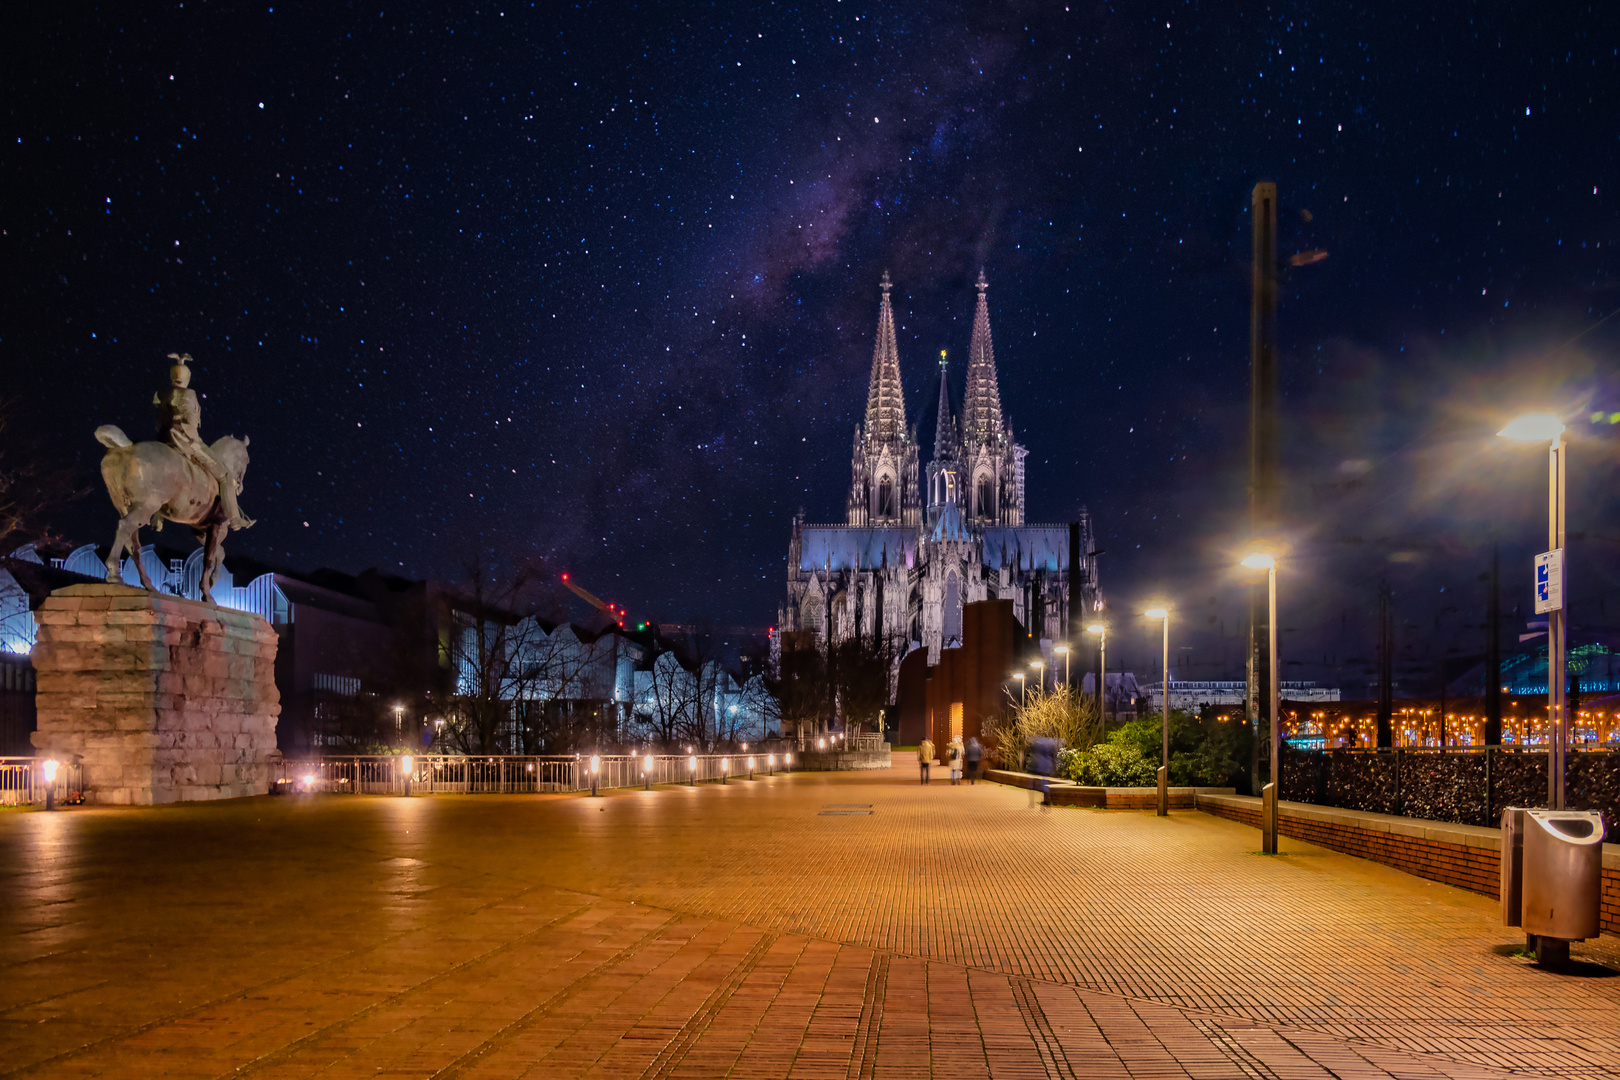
[975, 754]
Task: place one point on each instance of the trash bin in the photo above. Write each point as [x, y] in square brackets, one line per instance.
[1563, 873]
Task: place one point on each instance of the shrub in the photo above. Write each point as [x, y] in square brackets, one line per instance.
[1062, 714]
[1108, 764]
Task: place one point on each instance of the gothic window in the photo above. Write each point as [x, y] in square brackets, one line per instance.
[952, 615]
[987, 503]
[810, 613]
[885, 497]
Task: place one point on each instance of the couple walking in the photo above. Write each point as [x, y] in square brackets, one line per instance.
[957, 755]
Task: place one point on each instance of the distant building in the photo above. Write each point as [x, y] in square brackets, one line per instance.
[916, 546]
[1193, 695]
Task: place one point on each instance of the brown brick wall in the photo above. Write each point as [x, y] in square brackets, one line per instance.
[1476, 869]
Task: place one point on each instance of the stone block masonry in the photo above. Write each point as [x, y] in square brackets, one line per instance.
[160, 699]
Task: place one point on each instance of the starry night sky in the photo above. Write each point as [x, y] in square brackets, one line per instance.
[599, 282]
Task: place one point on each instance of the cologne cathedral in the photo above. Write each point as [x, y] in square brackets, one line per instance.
[918, 543]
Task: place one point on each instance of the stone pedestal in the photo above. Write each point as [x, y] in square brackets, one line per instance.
[159, 698]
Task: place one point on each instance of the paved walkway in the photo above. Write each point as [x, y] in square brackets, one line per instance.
[764, 929]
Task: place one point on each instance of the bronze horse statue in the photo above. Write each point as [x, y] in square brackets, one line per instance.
[151, 481]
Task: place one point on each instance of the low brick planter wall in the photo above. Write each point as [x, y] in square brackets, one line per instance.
[842, 760]
[1064, 793]
[1466, 856]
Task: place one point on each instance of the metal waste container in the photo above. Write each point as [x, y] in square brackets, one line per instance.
[1563, 873]
[1552, 873]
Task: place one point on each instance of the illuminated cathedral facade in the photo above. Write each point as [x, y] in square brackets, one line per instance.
[918, 543]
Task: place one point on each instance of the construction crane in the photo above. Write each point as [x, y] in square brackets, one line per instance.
[612, 611]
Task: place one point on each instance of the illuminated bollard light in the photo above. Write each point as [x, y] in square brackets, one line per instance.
[787, 761]
[750, 768]
[692, 764]
[309, 783]
[596, 767]
[821, 744]
[770, 765]
[646, 773]
[725, 769]
[407, 769]
[48, 769]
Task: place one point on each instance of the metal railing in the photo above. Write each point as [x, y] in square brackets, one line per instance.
[23, 783]
[422, 774]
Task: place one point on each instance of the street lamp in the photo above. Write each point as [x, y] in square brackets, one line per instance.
[399, 721]
[1040, 674]
[48, 769]
[407, 769]
[1268, 802]
[1101, 630]
[1019, 675]
[1163, 614]
[1544, 427]
[1063, 650]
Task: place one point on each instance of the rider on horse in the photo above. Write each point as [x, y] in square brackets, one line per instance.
[178, 417]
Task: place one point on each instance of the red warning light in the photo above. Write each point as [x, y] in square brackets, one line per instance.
[565, 577]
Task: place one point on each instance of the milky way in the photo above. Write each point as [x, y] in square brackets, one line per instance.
[600, 284]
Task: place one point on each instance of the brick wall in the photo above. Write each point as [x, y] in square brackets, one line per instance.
[1462, 855]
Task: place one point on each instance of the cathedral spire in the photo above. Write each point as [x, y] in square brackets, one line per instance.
[944, 422]
[885, 398]
[981, 405]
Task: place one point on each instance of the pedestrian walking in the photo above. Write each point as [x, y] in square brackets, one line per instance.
[974, 754]
[1043, 760]
[925, 756]
[953, 757]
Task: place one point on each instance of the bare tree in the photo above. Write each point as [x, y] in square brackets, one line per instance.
[858, 669]
[491, 638]
[32, 486]
[798, 692]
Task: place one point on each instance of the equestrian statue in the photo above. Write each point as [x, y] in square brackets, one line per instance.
[180, 478]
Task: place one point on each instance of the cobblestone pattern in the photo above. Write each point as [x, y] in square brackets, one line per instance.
[1472, 868]
[158, 697]
[735, 931]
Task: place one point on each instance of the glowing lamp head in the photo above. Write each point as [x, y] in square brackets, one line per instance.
[821, 744]
[646, 763]
[1019, 675]
[596, 763]
[407, 764]
[1157, 613]
[1096, 628]
[745, 747]
[49, 767]
[1258, 561]
[750, 764]
[309, 780]
[788, 758]
[1036, 664]
[771, 758]
[725, 764]
[691, 763]
[1060, 649]
[1536, 427]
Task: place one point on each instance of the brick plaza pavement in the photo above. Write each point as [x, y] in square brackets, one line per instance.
[763, 929]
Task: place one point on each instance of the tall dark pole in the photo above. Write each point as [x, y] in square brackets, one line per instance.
[1386, 670]
[1493, 653]
[1263, 480]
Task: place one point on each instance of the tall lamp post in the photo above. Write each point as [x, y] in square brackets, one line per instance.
[1163, 614]
[1544, 427]
[1268, 800]
[1101, 630]
[1063, 650]
[1019, 675]
[1040, 673]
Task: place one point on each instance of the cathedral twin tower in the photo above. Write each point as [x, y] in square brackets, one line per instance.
[910, 553]
[977, 469]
